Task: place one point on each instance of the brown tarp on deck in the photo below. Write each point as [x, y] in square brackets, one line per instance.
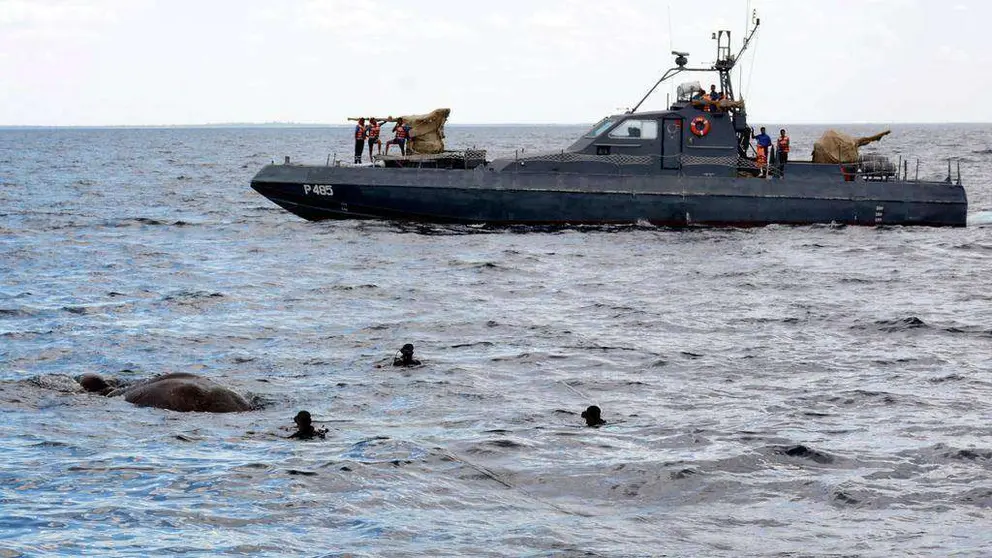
[427, 131]
[838, 147]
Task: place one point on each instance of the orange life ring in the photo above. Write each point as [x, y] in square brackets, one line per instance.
[700, 126]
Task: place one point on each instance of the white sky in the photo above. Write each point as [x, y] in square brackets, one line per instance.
[147, 62]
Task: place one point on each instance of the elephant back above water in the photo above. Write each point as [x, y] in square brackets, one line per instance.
[184, 392]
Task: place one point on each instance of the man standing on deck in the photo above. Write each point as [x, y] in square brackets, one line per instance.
[714, 96]
[359, 140]
[402, 131]
[783, 152]
[372, 133]
[764, 142]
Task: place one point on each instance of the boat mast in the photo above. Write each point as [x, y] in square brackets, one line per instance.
[725, 62]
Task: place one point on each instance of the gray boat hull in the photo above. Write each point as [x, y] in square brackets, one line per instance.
[546, 198]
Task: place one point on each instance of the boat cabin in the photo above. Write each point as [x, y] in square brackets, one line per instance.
[693, 138]
[696, 136]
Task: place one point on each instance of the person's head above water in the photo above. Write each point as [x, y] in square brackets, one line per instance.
[305, 429]
[592, 416]
[303, 420]
[406, 357]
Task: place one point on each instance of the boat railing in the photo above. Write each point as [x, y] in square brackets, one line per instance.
[910, 170]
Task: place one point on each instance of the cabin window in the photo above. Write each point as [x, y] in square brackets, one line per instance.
[601, 127]
[636, 129]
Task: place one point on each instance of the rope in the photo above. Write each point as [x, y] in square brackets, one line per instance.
[754, 56]
[496, 478]
[573, 390]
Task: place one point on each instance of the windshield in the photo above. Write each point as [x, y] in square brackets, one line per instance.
[601, 126]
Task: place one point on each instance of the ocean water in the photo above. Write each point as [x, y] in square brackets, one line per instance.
[780, 391]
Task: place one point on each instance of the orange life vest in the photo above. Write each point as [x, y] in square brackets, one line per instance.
[373, 131]
[359, 132]
[401, 132]
[783, 144]
[762, 152]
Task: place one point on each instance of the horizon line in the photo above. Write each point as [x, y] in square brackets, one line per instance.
[456, 124]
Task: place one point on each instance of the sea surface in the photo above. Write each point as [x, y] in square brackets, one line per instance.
[778, 391]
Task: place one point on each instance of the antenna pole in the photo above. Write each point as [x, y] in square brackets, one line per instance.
[747, 40]
[671, 72]
[671, 35]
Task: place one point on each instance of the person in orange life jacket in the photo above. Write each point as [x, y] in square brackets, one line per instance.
[372, 133]
[764, 142]
[359, 140]
[783, 151]
[402, 131]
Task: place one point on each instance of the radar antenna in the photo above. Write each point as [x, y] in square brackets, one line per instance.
[725, 61]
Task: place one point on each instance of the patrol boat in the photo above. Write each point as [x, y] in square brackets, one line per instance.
[687, 166]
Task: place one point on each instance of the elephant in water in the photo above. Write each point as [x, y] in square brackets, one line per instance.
[181, 392]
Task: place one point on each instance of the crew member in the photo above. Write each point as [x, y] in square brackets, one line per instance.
[783, 151]
[359, 140]
[372, 133]
[714, 96]
[764, 142]
[402, 133]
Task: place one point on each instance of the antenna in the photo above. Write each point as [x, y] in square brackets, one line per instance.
[671, 48]
[725, 63]
[671, 36]
[747, 23]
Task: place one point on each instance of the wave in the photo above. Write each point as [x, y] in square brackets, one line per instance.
[191, 296]
[15, 313]
[805, 452]
[914, 323]
[145, 221]
[980, 219]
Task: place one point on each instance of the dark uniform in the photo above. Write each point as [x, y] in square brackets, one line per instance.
[359, 140]
[783, 152]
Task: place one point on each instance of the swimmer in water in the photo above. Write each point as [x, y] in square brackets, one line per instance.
[406, 357]
[591, 414]
[306, 431]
